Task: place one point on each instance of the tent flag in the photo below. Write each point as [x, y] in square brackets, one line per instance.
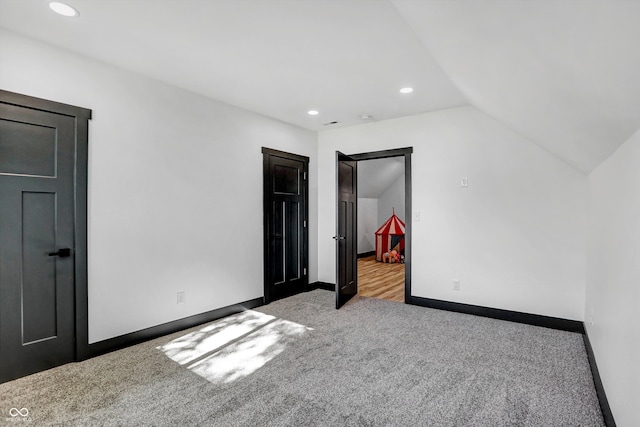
[390, 236]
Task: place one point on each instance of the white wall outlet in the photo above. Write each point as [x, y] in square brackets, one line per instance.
[456, 284]
[464, 181]
[181, 297]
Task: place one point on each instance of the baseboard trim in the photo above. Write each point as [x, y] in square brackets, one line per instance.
[597, 382]
[366, 254]
[496, 313]
[322, 285]
[127, 340]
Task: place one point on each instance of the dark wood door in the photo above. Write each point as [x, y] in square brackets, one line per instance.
[346, 225]
[285, 224]
[37, 295]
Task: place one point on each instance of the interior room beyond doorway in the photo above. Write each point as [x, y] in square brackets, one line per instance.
[381, 194]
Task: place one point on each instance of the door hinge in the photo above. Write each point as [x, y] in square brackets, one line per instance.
[305, 224]
[304, 271]
[304, 176]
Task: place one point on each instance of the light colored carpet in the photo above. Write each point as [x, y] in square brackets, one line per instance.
[300, 362]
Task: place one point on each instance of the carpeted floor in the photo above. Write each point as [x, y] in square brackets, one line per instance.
[300, 362]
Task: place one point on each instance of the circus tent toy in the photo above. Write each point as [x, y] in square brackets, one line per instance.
[390, 240]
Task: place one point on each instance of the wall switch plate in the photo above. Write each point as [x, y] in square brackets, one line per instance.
[464, 181]
[416, 216]
[181, 297]
[456, 284]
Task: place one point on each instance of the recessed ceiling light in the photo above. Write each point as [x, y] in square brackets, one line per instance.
[406, 90]
[63, 9]
[313, 112]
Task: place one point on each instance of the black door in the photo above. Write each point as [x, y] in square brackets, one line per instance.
[36, 214]
[285, 224]
[346, 235]
[37, 240]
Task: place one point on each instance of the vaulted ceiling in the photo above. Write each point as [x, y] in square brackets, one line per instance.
[375, 176]
[563, 73]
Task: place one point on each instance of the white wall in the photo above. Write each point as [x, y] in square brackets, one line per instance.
[515, 237]
[390, 199]
[367, 224]
[175, 188]
[613, 278]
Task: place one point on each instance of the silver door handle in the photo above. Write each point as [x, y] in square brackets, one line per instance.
[339, 237]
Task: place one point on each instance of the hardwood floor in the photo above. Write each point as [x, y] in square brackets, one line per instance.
[380, 280]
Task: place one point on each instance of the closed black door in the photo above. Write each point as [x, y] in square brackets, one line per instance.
[285, 224]
[37, 295]
[346, 225]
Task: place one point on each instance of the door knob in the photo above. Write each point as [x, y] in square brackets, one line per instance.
[62, 253]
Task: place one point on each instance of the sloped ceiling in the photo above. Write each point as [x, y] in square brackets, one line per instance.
[375, 176]
[562, 73]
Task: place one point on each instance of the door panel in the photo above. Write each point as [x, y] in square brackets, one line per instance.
[39, 311]
[37, 291]
[293, 237]
[346, 236]
[27, 149]
[286, 179]
[278, 251]
[285, 224]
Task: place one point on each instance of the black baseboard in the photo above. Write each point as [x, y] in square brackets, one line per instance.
[322, 285]
[366, 254]
[122, 341]
[496, 313]
[597, 382]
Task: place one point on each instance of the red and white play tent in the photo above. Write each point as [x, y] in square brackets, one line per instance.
[390, 236]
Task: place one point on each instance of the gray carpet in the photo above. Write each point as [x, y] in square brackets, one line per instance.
[300, 362]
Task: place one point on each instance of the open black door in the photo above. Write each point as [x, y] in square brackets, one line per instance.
[346, 235]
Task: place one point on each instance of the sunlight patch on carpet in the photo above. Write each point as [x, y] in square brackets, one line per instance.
[233, 347]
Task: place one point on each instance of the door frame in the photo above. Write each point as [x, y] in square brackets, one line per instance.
[406, 153]
[266, 209]
[81, 118]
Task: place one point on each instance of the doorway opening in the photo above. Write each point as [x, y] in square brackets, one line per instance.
[347, 222]
[381, 228]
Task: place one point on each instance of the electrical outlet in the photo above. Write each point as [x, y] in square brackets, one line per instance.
[181, 297]
[456, 284]
[464, 181]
